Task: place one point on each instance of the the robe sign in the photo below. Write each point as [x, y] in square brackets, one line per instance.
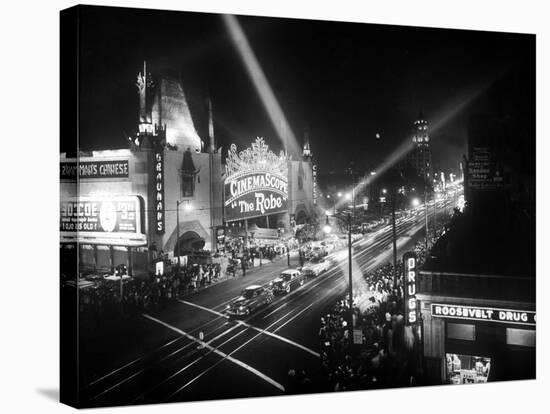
[256, 183]
[410, 286]
[159, 191]
[477, 313]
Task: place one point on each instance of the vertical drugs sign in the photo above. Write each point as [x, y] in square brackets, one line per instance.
[410, 277]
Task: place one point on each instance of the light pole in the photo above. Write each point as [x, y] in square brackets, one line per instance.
[426, 213]
[327, 229]
[178, 202]
[393, 197]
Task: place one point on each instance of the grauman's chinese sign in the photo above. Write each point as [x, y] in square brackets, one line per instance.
[159, 190]
[95, 169]
[255, 183]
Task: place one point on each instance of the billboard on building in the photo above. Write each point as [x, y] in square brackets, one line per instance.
[102, 220]
[255, 183]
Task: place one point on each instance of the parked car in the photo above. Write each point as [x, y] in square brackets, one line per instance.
[252, 298]
[316, 266]
[287, 281]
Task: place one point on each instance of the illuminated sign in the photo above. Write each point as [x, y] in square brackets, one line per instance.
[409, 279]
[255, 183]
[95, 169]
[159, 190]
[105, 217]
[477, 313]
[484, 173]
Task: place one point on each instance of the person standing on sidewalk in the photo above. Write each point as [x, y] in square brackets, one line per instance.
[243, 265]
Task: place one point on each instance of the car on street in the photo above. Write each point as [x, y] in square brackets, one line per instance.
[287, 281]
[252, 298]
[115, 277]
[316, 266]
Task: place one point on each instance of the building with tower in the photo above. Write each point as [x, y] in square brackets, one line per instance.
[420, 158]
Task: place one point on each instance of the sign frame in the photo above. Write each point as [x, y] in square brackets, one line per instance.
[120, 238]
[531, 315]
[410, 288]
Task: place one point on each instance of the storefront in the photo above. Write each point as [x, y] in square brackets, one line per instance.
[478, 337]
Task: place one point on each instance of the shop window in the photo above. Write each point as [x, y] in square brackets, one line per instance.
[521, 337]
[461, 331]
[467, 369]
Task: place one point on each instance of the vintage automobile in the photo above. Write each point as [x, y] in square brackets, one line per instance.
[252, 298]
[287, 281]
[316, 266]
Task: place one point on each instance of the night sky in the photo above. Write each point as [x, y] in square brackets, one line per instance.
[344, 82]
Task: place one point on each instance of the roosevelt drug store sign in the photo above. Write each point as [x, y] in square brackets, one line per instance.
[255, 183]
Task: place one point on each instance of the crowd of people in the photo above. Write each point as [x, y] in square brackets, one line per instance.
[103, 296]
[385, 353]
[142, 294]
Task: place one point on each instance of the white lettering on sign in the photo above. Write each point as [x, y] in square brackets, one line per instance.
[159, 191]
[411, 308]
[484, 314]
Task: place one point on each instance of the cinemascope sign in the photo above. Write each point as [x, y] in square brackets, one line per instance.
[256, 183]
[476, 313]
[254, 195]
[101, 217]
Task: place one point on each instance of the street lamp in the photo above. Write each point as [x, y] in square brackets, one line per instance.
[327, 229]
[415, 202]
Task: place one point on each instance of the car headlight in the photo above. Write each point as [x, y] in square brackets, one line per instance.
[228, 307]
[241, 308]
[271, 283]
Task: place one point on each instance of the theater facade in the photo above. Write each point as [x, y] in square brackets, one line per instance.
[167, 194]
[128, 206]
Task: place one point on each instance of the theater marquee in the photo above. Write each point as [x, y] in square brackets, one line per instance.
[256, 182]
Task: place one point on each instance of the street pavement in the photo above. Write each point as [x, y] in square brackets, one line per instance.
[191, 350]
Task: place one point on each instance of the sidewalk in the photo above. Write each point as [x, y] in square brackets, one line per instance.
[250, 271]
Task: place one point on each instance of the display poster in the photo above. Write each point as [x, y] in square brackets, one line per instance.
[101, 215]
